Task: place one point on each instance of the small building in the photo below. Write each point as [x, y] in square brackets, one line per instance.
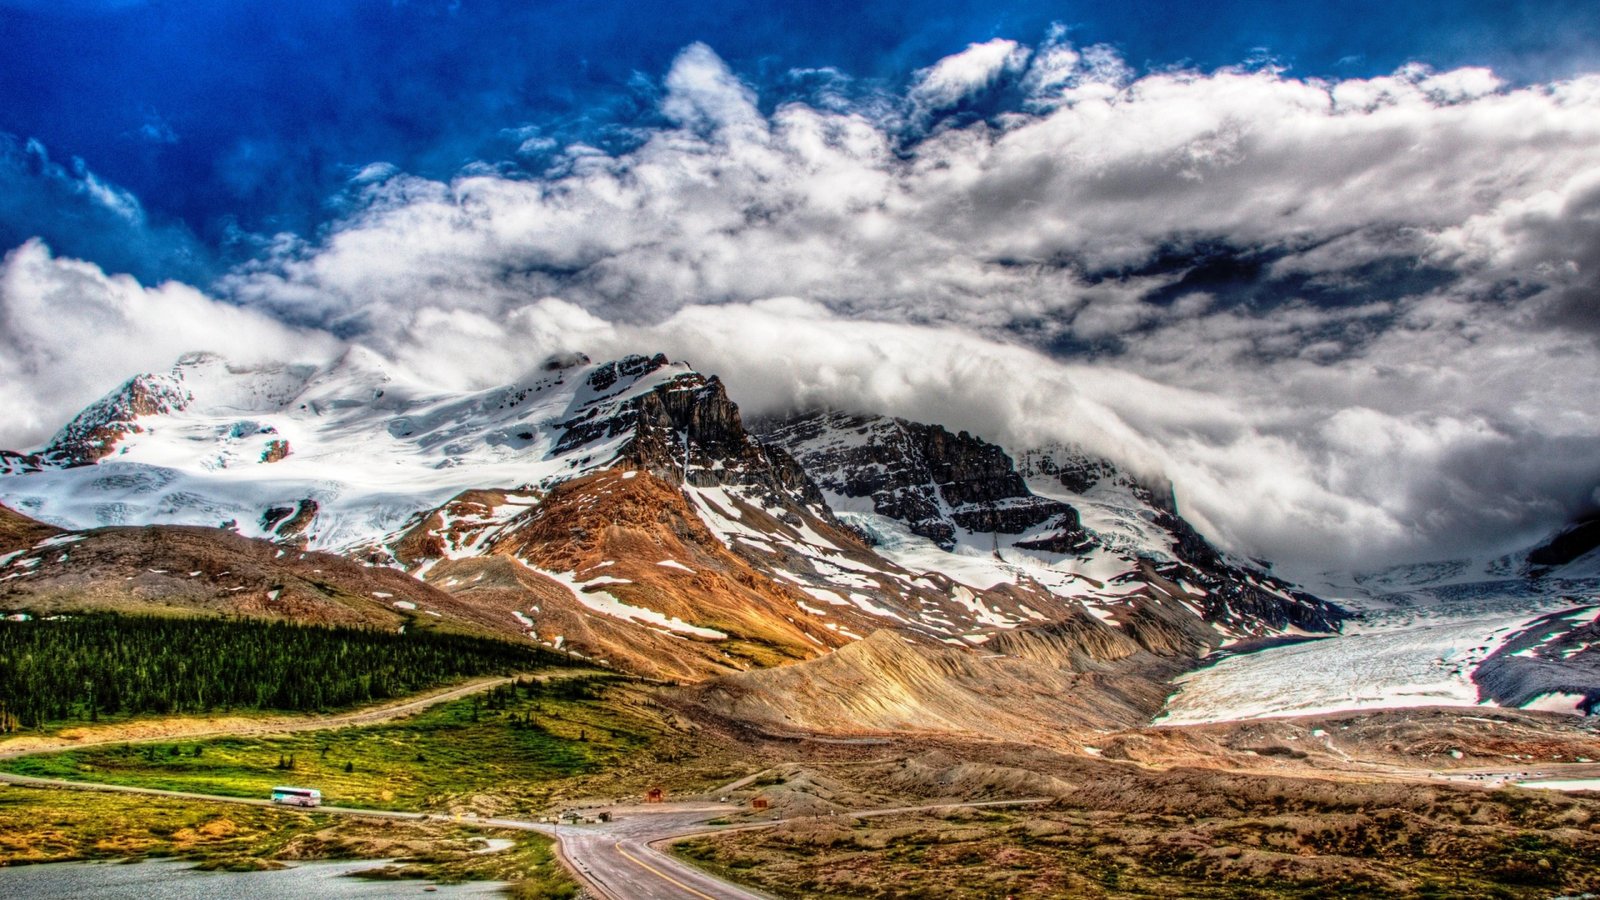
[654, 796]
[760, 803]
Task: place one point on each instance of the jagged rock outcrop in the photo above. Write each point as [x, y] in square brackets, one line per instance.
[276, 451]
[94, 433]
[938, 482]
[1077, 472]
[687, 430]
[291, 524]
[14, 463]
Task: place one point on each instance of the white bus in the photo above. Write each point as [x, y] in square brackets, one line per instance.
[293, 796]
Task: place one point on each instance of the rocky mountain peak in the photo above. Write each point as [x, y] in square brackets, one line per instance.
[94, 433]
[631, 491]
[1064, 519]
[686, 430]
[1139, 517]
[940, 483]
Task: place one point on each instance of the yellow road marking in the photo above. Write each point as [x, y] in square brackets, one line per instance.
[660, 874]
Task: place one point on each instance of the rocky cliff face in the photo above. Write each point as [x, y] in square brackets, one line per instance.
[1059, 513]
[939, 483]
[687, 430]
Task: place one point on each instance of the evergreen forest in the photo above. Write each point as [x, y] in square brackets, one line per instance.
[82, 667]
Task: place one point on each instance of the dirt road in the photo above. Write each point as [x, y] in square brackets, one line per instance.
[202, 727]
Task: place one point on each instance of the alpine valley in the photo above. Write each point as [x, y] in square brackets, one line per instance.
[836, 611]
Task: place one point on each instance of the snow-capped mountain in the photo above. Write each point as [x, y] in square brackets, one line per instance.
[212, 444]
[622, 510]
[1061, 522]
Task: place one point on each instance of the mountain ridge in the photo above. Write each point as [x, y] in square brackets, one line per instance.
[622, 510]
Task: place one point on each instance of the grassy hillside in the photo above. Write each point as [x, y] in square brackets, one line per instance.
[511, 750]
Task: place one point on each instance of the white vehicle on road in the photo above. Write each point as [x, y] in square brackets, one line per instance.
[294, 796]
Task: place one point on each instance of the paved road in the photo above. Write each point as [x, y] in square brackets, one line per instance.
[624, 859]
[619, 862]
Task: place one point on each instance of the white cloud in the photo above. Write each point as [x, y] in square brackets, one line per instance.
[1396, 421]
[69, 333]
[703, 93]
[956, 77]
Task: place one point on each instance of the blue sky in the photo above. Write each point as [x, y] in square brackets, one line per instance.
[1332, 268]
[253, 115]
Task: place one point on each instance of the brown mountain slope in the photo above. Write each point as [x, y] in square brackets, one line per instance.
[657, 586]
[209, 571]
[1055, 685]
[18, 532]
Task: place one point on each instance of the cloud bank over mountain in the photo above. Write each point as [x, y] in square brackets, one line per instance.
[1354, 320]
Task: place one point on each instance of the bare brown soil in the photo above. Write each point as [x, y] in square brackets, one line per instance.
[18, 532]
[209, 571]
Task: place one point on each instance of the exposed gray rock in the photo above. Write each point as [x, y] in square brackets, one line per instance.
[1557, 653]
[938, 482]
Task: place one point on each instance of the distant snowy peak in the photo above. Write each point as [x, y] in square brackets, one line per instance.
[213, 444]
[1566, 563]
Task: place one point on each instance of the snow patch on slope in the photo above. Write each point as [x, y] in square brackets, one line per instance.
[606, 603]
